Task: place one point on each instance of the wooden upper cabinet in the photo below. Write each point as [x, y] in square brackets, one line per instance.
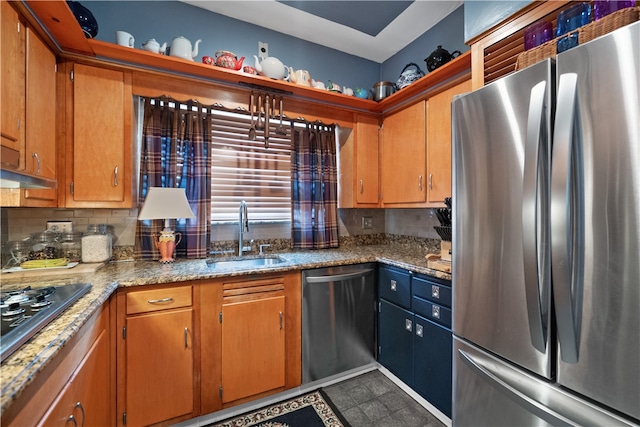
[99, 138]
[366, 160]
[12, 86]
[403, 158]
[439, 143]
[359, 185]
[40, 108]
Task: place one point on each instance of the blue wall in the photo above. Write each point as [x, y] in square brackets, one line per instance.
[448, 33]
[164, 20]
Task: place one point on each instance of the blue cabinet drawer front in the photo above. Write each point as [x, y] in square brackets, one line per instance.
[395, 286]
[432, 290]
[432, 311]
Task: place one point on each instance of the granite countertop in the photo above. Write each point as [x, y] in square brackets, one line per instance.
[20, 368]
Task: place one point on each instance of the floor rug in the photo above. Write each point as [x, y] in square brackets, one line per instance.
[308, 410]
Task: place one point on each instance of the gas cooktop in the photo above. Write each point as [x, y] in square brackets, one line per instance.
[23, 312]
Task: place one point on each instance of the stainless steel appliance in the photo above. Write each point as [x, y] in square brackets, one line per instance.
[338, 320]
[23, 312]
[546, 237]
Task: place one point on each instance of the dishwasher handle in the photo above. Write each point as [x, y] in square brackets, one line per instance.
[338, 277]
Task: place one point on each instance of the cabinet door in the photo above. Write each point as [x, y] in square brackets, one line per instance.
[86, 395]
[40, 119]
[395, 340]
[432, 363]
[253, 347]
[403, 160]
[366, 159]
[12, 81]
[100, 173]
[159, 365]
[439, 142]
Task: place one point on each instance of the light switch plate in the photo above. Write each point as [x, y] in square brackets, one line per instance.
[60, 226]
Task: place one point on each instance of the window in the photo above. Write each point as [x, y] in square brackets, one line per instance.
[247, 170]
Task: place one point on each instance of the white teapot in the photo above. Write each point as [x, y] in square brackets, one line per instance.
[181, 48]
[153, 46]
[270, 67]
[301, 77]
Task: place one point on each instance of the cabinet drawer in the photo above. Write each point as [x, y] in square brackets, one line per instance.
[158, 299]
[432, 290]
[432, 311]
[395, 286]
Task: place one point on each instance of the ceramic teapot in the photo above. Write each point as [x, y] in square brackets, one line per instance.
[301, 77]
[226, 59]
[153, 46]
[440, 57]
[362, 93]
[270, 67]
[409, 75]
[181, 48]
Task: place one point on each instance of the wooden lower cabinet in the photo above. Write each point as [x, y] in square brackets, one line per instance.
[251, 335]
[157, 356]
[193, 348]
[253, 347]
[78, 385]
[80, 400]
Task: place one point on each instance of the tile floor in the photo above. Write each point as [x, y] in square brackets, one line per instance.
[372, 399]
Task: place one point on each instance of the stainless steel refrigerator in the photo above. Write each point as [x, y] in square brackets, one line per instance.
[546, 242]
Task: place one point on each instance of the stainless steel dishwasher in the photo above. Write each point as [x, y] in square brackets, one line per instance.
[338, 319]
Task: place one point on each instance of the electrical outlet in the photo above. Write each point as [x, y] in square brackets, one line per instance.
[60, 226]
[367, 222]
[263, 50]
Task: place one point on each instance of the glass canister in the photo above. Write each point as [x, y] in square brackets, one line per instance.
[44, 245]
[15, 252]
[71, 246]
[96, 244]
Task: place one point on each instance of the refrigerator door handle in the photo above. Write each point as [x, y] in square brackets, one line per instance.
[509, 385]
[567, 217]
[535, 224]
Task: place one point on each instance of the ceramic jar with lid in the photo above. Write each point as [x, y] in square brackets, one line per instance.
[96, 244]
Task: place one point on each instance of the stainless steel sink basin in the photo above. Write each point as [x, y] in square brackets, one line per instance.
[238, 263]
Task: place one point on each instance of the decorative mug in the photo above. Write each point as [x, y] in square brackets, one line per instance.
[124, 39]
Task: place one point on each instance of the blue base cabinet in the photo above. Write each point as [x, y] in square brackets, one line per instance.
[395, 338]
[414, 332]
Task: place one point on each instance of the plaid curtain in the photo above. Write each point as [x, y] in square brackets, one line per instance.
[176, 153]
[314, 188]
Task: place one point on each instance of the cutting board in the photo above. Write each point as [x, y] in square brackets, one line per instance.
[81, 268]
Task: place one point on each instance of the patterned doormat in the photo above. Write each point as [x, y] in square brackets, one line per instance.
[309, 410]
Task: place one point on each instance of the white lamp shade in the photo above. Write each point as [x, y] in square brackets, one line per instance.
[166, 203]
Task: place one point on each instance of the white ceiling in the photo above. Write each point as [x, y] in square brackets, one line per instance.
[411, 23]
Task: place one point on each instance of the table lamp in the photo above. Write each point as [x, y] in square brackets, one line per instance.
[167, 204]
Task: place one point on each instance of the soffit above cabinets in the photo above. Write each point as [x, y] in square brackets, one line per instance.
[374, 30]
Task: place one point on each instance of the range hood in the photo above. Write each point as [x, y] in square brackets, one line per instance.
[15, 179]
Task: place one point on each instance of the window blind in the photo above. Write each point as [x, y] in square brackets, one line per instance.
[246, 170]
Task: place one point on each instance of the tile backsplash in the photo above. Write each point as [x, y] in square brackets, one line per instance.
[21, 222]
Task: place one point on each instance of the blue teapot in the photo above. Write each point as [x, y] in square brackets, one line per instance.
[361, 93]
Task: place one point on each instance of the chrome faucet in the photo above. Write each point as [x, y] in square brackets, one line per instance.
[243, 225]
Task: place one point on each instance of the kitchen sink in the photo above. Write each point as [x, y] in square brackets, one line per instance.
[244, 262]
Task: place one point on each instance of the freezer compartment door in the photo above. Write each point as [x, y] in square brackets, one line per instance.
[501, 258]
[489, 392]
[596, 219]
